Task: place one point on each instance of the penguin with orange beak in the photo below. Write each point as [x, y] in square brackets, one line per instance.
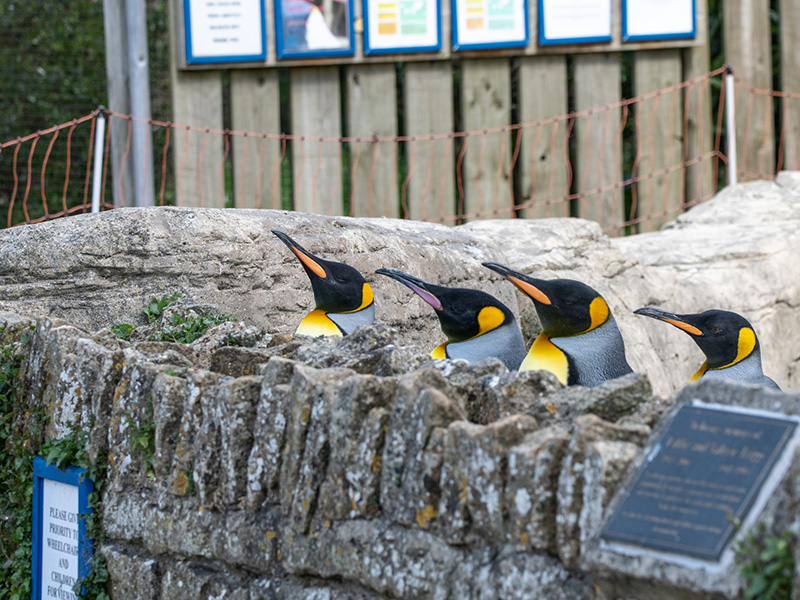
[477, 324]
[580, 342]
[728, 341]
[342, 296]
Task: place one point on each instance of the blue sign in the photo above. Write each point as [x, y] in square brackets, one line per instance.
[394, 26]
[658, 20]
[481, 24]
[304, 30]
[61, 551]
[224, 31]
[574, 21]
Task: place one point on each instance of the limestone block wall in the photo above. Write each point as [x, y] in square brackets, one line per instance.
[309, 479]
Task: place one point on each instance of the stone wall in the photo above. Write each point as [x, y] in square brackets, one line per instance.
[739, 251]
[351, 468]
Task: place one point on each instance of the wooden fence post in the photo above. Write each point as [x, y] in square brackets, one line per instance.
[544, 156]
[748, 49]
[598, 148]
[790, 82]
[372, 112]
[485, 104]
[428, 190]
[317, 166]
[659, 137]
[255, 108]
[699, 140]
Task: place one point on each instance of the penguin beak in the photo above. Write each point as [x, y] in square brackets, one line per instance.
[679, 321]
[415, 284]
[309, 261]
[527, 285]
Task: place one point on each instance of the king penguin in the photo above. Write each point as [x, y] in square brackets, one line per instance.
[580, 342]
[477, 325]
[342, 296]
[727, 339]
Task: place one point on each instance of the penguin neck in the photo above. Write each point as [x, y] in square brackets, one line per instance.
[504, 342]
[586, 359]
[747, 369]
[348, 321]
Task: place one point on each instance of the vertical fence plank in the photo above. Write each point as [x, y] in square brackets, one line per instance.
[486, 103]
[790, 82]
[255, 102]
[196, 101]
[372, 112]
[543, 161]
[316, 166]
[598, 152]
[748, 48]
[198, 155]
[659, 137]
[699, 124]
[427, 191]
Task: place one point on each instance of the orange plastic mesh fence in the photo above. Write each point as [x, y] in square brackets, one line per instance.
[630, 165]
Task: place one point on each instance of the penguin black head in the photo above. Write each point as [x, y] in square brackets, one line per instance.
[338, 288]
[463, 313]
[724, 337]
[565, 307]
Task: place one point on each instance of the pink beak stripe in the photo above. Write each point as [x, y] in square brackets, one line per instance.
[425, 295]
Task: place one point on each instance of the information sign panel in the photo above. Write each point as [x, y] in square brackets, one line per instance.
[304, 30]
[574, 21]
[227, 31]
[61, 551]
[392, 26]
[489, 24]
[701, 478]
[658, 20]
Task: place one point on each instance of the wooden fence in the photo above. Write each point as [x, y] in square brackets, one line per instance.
[392, 126]
[509, 133]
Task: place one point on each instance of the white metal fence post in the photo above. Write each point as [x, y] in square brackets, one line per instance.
[99, 151]
[730, 123]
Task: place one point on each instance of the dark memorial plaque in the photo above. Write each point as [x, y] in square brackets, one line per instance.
[700, 478]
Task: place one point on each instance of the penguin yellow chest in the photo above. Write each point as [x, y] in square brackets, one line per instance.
[317, 323]
[545, 356]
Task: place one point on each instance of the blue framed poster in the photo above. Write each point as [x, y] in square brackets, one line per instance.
[574, 21]
[304, 30]
[658, 20]
[490, 24]
[223, 31]
[61, 551]
[393, 26]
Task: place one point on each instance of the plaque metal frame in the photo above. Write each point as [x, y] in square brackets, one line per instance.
[71, 476]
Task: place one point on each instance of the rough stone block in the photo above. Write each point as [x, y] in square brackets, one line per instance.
[533, 469]
[359, 420]
[572, 479]
[419, 408]
[474, 474]
[133, 575]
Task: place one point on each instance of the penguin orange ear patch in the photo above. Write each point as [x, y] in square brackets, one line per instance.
[530, 290]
